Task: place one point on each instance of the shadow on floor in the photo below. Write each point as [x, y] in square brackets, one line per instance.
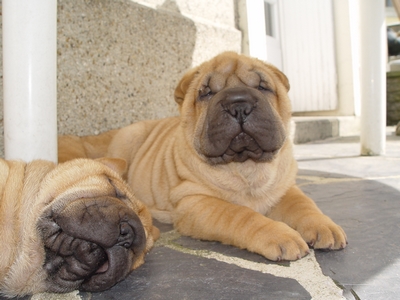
[369, 212]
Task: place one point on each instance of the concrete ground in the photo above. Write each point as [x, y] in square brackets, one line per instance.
[362, 194]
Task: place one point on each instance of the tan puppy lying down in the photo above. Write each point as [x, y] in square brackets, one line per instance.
[66, 227]
[224, 169]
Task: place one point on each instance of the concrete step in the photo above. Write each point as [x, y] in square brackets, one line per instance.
[308, 129]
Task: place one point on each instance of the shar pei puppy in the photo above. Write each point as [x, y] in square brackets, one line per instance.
[70, 226]
[224, 169]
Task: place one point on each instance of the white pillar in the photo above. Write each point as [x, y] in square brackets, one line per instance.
[30, 74]
[252, 23]
[373, 76]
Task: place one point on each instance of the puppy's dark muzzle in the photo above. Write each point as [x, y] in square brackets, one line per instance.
[241, 124]
[239, 103]
[91, 244]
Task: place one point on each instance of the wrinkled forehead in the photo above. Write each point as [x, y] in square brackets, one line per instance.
[227, 73]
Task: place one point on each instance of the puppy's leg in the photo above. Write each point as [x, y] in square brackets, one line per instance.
[70, 147]
[91, 146]
[302, 214]
[213, 219]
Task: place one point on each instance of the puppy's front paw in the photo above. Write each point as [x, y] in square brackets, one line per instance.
[320, 232]
[91, 244]
[281, 243]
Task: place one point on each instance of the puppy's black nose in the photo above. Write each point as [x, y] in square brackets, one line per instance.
[240, 110]
[239, 103]
[127, 235]
[132, 234]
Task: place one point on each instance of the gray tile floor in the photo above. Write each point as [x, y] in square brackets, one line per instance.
[360, 193]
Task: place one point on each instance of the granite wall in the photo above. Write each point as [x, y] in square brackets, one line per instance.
[393, 98]
[119, 60]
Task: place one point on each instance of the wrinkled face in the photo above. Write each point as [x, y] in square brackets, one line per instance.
[95, 232]
[91, 244]
[240, 106]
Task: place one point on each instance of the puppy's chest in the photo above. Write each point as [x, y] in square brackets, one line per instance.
[257, 190]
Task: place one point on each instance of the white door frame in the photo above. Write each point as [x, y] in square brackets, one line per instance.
[255, 39]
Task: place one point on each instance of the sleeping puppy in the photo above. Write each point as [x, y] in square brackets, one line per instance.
[67, 227]
[224, 169]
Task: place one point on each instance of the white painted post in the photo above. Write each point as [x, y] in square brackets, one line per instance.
[30, 74]
[373, 76]
[252, 23]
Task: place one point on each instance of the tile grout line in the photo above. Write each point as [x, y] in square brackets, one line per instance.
[324, 180]
[74, 295]
[306, 271]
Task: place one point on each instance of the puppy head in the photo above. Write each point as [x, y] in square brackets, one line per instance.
[235, 108]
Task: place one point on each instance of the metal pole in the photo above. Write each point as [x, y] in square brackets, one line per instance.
[30, 74]
[373, 76]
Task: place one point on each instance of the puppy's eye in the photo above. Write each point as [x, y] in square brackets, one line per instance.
[205, 92]
[263, 87]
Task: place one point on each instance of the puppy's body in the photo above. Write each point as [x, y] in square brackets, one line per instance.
[171, 172]
[224, 170]
[66, 227]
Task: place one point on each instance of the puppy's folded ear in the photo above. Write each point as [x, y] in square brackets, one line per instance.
[183, 85]
[282, 77]
[119, 165]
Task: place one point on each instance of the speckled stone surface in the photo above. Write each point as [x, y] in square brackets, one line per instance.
[217, 12]
[119, 61]
[392, 97]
